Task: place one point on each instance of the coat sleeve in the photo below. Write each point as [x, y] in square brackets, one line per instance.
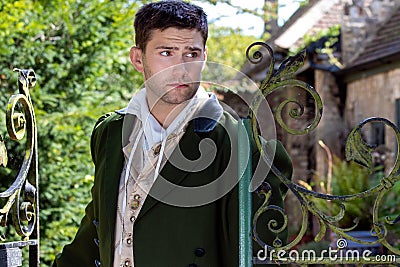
[83, 251]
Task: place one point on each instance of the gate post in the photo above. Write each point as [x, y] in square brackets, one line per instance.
[245, 207]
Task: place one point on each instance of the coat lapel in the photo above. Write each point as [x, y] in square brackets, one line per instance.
[171, 175]
[165, 183]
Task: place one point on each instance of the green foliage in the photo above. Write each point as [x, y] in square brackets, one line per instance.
[332, 32]
[227, 46]
[349, 178]
[389, 208]
[391, 202]
[80, 53]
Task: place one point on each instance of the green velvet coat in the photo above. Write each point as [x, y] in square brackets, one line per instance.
[166, 235]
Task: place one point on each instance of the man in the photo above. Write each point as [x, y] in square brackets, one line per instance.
[157, 198]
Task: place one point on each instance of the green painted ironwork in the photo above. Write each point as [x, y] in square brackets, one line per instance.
[245, 207]
[21, 197]
[356, 149]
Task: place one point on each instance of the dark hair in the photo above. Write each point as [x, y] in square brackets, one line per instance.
[165, 14]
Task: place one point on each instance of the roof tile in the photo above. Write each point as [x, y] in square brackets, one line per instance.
[384, 43]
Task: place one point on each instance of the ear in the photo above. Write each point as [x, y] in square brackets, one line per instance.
[136, 58]
[205, 57]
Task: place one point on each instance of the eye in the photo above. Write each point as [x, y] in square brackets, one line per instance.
[193, 55]
[165, 53]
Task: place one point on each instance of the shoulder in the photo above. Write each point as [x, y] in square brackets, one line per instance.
[111, 119]
[221, 131]
[105, 120]
[226, 121]
[107, 123]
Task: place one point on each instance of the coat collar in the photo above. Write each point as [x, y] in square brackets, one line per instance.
[204, 120]
[200, 124]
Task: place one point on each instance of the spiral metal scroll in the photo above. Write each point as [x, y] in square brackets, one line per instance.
[280, 79]
[22, 194]
[356, 149]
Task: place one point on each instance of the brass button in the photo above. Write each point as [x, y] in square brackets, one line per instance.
[129, 238]
[157, 150]
[132, 218]
[136, 196]
[127, 263]
[135, 204]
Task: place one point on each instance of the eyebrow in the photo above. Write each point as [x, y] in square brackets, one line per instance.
[190, 48]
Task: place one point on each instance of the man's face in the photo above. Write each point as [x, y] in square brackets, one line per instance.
[172, 64]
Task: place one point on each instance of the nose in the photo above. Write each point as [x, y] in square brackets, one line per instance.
[180, 68]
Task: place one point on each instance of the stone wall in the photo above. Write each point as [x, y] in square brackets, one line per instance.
[360, 16]
[375, 96]
[331, 129]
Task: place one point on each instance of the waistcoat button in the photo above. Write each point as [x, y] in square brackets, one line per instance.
[157, 150]
[135, 204]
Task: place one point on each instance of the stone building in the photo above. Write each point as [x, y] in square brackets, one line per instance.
[352, 61]
[354, 69]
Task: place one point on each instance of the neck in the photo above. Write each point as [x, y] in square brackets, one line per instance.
[166, 113]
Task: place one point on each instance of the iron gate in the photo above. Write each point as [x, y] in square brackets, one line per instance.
[356, 149]
[20, 199]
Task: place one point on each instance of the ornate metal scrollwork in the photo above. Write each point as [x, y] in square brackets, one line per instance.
[278, 80]
[356, 149]
[21, 195]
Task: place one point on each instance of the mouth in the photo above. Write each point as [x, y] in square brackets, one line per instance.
[178, 85]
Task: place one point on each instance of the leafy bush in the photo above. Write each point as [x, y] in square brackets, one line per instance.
[79, 51]
[350, 178]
